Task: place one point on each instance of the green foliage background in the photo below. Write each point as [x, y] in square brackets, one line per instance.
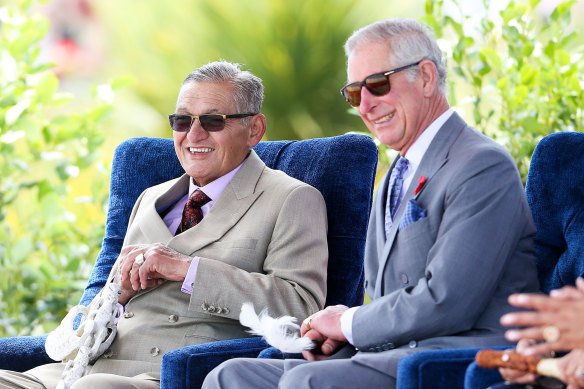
[44, 144]
[294, 46]
[522, 75]
[514, 75]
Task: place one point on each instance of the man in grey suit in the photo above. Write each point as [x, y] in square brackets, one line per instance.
[262, 239]
[449, 238]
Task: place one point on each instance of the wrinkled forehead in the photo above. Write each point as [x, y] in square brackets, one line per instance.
[368, 59]
[208, 96]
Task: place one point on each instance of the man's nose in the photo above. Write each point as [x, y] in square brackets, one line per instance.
[367, 101]
[197, 132]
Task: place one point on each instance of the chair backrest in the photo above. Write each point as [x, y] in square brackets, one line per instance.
[341, 167]
[555, 192]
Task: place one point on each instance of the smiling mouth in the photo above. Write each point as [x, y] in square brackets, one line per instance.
[385, 118]
[200, 150]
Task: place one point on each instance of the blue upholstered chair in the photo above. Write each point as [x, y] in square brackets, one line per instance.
[555, 193]
[341, 167]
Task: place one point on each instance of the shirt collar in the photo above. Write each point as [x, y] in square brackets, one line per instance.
[418, 149]
[214, 189]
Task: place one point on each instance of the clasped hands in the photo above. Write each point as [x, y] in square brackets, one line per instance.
[149, 265]
[554, 324]
[324, 329]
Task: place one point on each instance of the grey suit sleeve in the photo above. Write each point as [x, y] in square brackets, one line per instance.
[292, 280]
[477, 219]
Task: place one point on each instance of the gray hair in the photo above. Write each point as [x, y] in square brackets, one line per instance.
[249, 90]
[409, 41]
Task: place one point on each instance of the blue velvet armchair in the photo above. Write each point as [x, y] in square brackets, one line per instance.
[555, 193]
[341, 167]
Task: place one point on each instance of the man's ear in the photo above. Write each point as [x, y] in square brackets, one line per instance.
[257, 126]
[429, 77]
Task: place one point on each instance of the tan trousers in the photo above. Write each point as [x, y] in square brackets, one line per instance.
[48, 376]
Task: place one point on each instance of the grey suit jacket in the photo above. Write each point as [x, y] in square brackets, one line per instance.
[264, 241]
[443, 281]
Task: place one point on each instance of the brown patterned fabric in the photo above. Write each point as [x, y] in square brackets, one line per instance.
[192, 214]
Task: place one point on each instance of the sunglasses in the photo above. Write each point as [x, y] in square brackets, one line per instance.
[210, 123]
[378, 84]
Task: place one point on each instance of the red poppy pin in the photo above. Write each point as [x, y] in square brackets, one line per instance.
[421, 183]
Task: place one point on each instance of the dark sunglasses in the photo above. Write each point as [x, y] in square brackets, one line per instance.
[210, 123]
[378, 84]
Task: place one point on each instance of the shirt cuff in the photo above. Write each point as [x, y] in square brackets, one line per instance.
[189, 282]
[121, 310]
[347, 323]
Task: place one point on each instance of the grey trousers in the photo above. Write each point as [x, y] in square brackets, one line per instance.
[48, 376]
[247, 373]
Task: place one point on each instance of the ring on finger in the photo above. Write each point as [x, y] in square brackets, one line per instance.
[580, 372]
[307, 322]
[139, 260]
[551, 333]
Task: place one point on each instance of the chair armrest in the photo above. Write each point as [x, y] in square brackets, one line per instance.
[434, 369]
[23, 353]
[274, 353]
[479, 377]
[187, 367]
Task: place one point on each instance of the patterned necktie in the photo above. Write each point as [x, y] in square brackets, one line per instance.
[396, 181]
[192, 214]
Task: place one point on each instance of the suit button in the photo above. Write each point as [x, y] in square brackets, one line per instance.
[404, 278]
[204, 306]
[108, 353]
[211, 309]
[412, 344]
[391, 346]
[226, 311]
[173, 318]
[154, 351]
[128, 315]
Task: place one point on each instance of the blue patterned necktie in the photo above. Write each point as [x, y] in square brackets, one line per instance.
[396, 182]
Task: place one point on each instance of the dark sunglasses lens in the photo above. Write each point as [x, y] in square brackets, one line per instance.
[212, 122]
[378, 84]
[352, 94]
[180, 123]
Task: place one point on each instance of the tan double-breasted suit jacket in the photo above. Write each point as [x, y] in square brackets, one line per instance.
[263, 241]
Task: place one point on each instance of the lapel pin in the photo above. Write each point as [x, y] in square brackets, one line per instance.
[421, 183]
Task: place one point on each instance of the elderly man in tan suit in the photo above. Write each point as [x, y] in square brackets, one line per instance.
[262, 239]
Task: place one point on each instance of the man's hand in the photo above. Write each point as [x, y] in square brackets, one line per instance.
[561, 314]
[572, 369]
[325, 331]
[518, 376]
[160, 263]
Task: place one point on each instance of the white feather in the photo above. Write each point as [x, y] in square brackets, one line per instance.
[282, 332]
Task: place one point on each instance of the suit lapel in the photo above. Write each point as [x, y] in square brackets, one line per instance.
[233, 203]
[435, 157]
[150, 222]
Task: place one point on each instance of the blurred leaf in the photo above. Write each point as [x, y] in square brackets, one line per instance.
[491, 57]
[528, 75]
[563, 57]
[21, 249]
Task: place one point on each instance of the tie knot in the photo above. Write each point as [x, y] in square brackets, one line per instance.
[198, 199]
[402, 165]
